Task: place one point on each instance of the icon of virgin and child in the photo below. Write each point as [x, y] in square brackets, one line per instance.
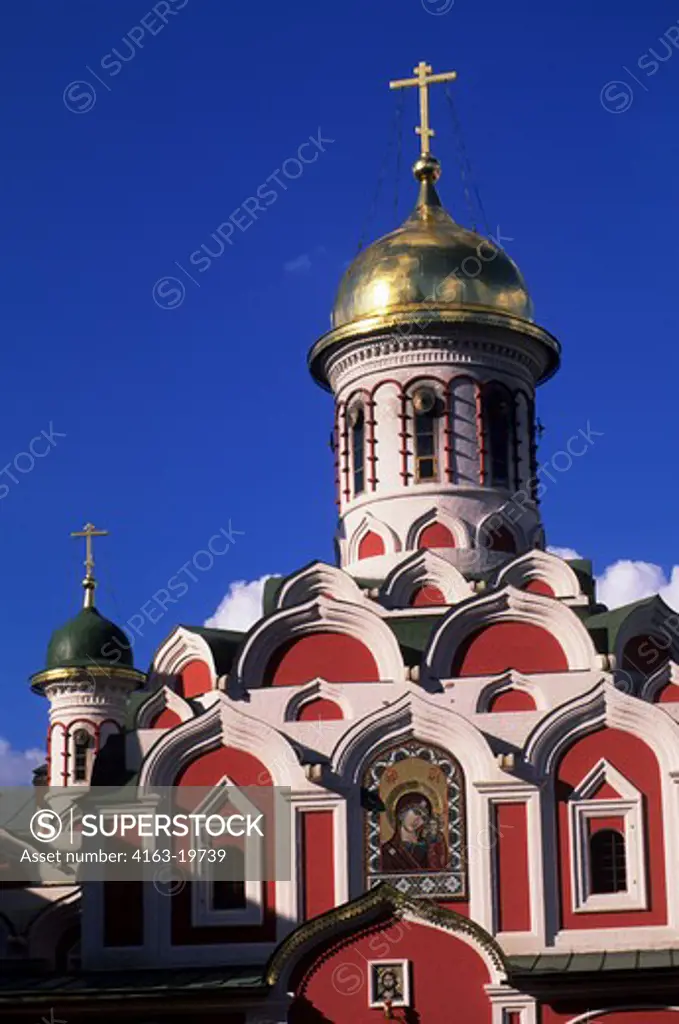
[417, 843]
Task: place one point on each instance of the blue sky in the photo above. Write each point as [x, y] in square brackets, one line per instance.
[179, 422]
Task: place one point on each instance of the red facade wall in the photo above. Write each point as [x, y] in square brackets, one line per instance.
[511, 861]
[446, 975]
[638, 763]
[318, 870]
[518, 645]
[195, 679]
[331, 656]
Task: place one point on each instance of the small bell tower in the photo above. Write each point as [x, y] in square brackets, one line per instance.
[88, 678]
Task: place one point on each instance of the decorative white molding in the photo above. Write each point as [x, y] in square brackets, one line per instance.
[398, 349]
[437, 514]
[224, 724]
[666, 675]
[542, 566]
[318, 580]
[509, 605]
[506, 682]
[505, 1001]
[371, 524]
[602, 705]
[318, 616]
[414, 715]
[180, 648]
[164, 698]
[420, 569]
[582, 808]
[317, 689]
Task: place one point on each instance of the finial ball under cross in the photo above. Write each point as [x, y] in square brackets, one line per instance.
[424, 79]
[89, 531]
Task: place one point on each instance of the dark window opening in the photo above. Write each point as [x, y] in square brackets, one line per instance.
[229, 893]
[357, 419]
[499, 429]
[608, 867]
[426, 411]
[81, 744]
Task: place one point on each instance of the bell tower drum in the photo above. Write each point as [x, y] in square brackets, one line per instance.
[433, 358]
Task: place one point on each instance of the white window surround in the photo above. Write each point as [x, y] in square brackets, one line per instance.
[582, 810]
[203, 912]
[506, 1001]
[373, 1000]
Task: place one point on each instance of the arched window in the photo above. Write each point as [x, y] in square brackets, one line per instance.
[425, 411]
[499, 431]
[357, 422]
[81, 744]
[607, 862]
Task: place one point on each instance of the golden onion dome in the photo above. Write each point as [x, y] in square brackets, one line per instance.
[430, 261]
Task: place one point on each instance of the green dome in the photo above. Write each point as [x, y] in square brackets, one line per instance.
[89, 639]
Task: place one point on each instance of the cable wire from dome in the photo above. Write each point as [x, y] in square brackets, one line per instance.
[393, 135]
[466, 172]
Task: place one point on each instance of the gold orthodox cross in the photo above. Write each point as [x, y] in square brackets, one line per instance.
[423, 80]
[88, 532]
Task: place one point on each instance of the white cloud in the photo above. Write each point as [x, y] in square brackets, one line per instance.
[16, 766]
[299, 265]
[568, 554]
[626, 581]
[240, 607]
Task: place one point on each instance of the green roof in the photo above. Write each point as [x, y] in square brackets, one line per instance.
[89, 639]
[73, 990]
[413, 634]
[574, 963]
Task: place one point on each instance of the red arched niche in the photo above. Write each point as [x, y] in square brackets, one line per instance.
[539, 587]
[427, 595]
[637, 763]
[320, 710]
[195, 679]
[436, 535]
[370, 545]
[519, 645]
[167, 719]
[241, 768]
[332, 656]
[331, 983]
[511, 700]
[644, 654]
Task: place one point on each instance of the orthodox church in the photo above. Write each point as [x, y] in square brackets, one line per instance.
[480, 759]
